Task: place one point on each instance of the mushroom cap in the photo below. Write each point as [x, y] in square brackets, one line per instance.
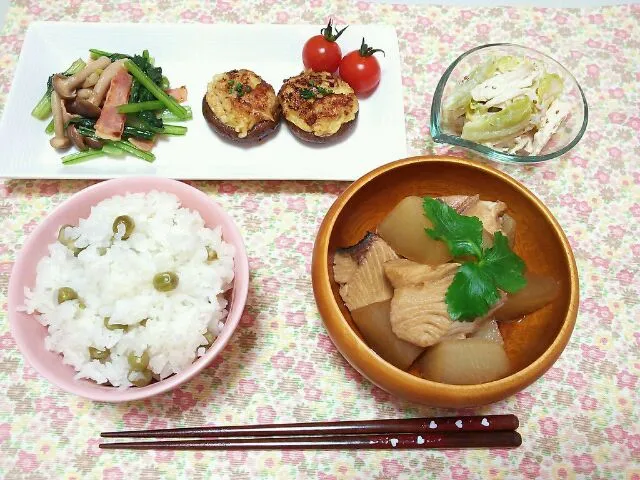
[61, 86]
[76, 138]
[92, 142]
[84, 108]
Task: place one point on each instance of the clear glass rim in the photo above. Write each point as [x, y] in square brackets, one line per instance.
[441, 137]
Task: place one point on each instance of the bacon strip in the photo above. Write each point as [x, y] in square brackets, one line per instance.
[180, 94]
[110, 124]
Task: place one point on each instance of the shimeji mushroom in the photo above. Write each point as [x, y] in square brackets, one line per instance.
[102, 85]
[91, 80]
[87, 102]
[59, 141]
[66, 86]
[84, 108]
[76, 138]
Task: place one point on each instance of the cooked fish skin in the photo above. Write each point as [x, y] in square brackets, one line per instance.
[360, 272]
[460, 203]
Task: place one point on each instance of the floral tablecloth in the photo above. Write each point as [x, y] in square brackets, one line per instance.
[581, 420]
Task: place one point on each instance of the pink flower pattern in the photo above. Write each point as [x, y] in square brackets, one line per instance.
[281, 365]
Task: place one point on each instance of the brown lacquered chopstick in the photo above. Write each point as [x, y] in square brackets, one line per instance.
[486, 423]
[448, 440]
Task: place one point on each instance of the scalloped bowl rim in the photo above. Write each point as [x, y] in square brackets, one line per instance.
[440, 137]
[34, 351]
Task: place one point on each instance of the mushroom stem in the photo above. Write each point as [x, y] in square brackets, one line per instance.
[85, 93]
[66, 116]
[104, 82]
[91, 80]
[59, 141]
[66, 86]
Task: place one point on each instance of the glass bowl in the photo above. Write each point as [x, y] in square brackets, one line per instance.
[569, 133]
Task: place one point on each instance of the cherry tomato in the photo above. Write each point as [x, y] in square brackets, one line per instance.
[321, 53]
[360, 69]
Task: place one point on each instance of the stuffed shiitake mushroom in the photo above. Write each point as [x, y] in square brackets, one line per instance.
[241, 106]
[318, 107]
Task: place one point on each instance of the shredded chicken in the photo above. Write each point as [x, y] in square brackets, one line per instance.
[556, 114]
[508, 85]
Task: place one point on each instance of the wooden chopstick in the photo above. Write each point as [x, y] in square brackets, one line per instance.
[486, 423]
[489, 431]
[498, 439]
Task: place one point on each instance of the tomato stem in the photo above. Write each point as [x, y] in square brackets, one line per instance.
[367, 51]
[327, 32]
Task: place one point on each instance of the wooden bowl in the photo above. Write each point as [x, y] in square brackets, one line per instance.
[533, 344]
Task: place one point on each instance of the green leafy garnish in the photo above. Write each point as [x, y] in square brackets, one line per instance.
[238, 88]
[474, 289]
[314, 91]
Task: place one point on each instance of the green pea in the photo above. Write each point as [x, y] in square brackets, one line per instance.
[212, 255]
[140, 379]
[115, 326]
[138, 363]
[143, 322]
[209, 336]
[65, 294]
[165, 281]
[129, 225]
[102, 251]
[97, 354]
[68, 242]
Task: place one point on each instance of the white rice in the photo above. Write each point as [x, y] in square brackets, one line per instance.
[119, 285]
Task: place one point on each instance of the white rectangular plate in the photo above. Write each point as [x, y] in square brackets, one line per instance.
[190, 55]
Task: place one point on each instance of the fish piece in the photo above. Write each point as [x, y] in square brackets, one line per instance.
[419, 313]
[110, 124]
[460, 203]
[344, 266]
[418, 309]
[360, 272]
[489, 213]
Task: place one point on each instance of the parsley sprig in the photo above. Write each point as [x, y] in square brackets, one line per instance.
[239, 88]
[476, 284]
[314, 91]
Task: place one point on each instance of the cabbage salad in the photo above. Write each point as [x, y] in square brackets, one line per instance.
[511, 104]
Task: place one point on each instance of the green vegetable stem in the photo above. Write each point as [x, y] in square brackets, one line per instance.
[43, 108]
[170, 103]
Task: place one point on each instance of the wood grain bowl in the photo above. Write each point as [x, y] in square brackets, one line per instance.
[532, 344]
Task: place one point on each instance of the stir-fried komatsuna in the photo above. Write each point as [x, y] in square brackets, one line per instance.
[112, 104]
[427, 288]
